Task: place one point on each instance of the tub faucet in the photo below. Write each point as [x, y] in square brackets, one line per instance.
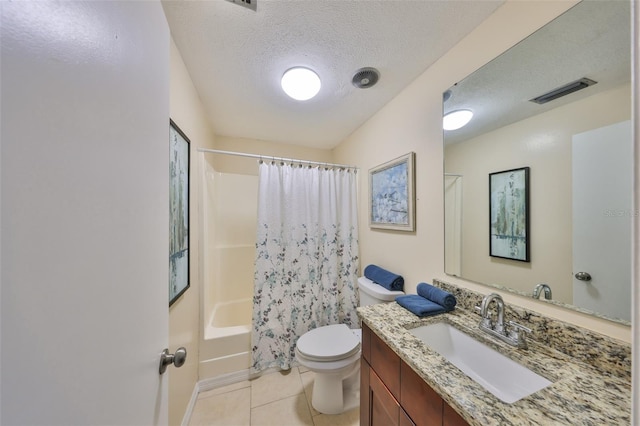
[538, 289]
[513, 335]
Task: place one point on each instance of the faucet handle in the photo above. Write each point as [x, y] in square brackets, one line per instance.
[519, 327]
[517, 335]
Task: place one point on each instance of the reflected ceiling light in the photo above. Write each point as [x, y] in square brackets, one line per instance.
[300, 83]
[456, 119]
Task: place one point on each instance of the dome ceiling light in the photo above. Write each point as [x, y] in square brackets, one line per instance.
[456, 119]
[300, 83]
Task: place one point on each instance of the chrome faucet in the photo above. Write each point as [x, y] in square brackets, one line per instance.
[538, 289]
[484, 312]
[513, 334]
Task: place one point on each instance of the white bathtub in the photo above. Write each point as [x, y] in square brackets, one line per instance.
[226, 347]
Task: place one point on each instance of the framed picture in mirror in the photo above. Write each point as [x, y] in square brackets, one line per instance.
[509, 214]
[392, 194]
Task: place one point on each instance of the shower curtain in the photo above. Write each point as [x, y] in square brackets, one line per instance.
[306, 257]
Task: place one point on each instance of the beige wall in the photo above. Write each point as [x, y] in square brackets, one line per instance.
[413, 122]
[543, 143]
[184, 315]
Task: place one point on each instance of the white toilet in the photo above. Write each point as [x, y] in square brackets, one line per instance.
[333, 352]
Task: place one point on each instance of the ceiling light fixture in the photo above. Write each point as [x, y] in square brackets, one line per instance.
[300, 83]
[456, 119]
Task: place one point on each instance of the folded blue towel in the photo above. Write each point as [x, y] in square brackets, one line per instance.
[419, 305]
[437, 295]
[386, 279]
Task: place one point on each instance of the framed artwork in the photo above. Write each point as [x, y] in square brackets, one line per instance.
[509, 214]
[392, 194]
[178, 212]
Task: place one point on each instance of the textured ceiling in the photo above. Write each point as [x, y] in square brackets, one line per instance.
[592, 39]
[236, 57]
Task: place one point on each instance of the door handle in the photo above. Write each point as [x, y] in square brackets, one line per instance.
[583, 276]
[176, 359]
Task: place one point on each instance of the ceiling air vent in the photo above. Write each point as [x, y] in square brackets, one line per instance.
[564, 90]
[249, 4]
[365, 77]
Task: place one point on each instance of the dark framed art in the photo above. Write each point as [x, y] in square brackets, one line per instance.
[178, 212]
[509, 214]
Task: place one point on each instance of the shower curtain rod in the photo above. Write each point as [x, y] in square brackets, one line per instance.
[267, 157]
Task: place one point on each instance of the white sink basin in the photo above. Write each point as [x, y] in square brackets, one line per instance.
[503, 377]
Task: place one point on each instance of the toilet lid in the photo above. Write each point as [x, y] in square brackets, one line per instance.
[327, 343]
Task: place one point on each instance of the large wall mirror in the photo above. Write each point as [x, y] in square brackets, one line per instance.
[577, 145]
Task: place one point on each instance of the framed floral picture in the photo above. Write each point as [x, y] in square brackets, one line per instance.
[509, 214]
[392, 194]
[178, 212]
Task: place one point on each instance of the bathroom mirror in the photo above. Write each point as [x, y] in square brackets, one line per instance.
[587, 52]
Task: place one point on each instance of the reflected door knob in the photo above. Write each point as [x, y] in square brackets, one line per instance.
[583, 276]
[176, 359]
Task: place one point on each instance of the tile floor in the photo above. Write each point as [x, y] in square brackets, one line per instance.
[278, 399]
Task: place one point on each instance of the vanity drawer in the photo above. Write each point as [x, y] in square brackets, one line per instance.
[386, 363]
[417, 398]
[451, 418]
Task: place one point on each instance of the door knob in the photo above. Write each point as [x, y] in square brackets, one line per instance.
[583, 276]
[176, 359]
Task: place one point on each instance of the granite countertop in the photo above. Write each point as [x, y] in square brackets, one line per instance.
[579, 394]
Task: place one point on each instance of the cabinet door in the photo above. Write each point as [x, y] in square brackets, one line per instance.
[386, 363]
[365, 394]
[385, 410]
[452, 418]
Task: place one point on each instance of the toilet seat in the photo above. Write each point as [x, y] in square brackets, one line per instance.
[328, 343]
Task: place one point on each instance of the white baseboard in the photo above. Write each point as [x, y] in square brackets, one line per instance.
[192, 403]
[223, 380]
[212, 383]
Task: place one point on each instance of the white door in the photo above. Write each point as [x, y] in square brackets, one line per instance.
[602, 218]
[84, 212]
[453, 225]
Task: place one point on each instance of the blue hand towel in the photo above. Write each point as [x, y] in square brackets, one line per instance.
[386, 279]
[419, 305]
[437, 295]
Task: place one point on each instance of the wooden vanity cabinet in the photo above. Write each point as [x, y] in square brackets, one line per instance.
[391, 393]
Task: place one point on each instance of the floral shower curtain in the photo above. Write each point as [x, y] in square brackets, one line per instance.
[306, 257]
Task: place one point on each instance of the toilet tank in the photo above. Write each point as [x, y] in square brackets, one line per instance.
[371, 293]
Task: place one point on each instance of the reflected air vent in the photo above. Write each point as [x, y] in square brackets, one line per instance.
[365, 77]
[564, 90]
[249, 4]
